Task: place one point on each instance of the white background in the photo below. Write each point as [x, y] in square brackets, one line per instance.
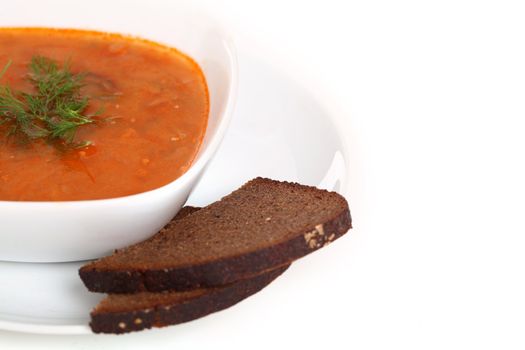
[431, 98]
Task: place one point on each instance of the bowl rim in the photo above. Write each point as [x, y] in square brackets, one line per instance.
[197, 165]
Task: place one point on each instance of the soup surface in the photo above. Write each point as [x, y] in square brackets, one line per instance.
[154, 102]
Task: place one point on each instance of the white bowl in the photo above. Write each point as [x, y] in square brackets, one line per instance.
[79, 230]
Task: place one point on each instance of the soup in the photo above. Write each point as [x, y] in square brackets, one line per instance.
[150, 103]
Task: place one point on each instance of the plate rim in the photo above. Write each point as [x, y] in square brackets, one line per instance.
[36, 328]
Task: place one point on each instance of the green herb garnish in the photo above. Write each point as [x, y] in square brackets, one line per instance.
[53, 112]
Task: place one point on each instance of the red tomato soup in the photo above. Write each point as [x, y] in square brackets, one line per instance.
[153, 104]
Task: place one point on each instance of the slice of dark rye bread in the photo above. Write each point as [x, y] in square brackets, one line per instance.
[123, 313]
[262, 225]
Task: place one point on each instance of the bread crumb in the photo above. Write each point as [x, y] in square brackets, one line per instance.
[121, 325]
[268, 219]
[309, 235]
[138, 321]
[313, 238]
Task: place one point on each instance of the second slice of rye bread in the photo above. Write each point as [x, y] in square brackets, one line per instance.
[122, 313]
[261, 226]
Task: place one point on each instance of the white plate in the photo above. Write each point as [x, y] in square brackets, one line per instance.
[278, 131]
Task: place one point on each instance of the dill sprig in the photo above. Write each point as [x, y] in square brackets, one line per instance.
[53, 112]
